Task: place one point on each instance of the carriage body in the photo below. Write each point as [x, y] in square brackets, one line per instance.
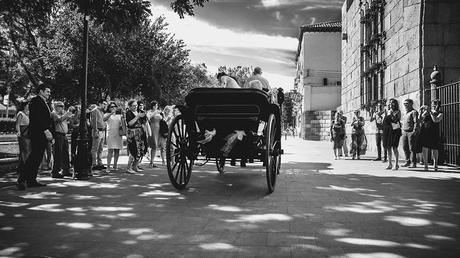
[226, 111]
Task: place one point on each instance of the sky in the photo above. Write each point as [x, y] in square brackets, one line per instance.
[248, 33]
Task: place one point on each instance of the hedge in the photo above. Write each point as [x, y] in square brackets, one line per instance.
[7, 125]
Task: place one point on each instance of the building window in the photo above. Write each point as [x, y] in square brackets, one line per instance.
[372, 51]
[325, 81]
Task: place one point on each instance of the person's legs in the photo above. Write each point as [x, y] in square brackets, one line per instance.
[153, 152]
[65, 158]
[73, 146]
[425, 157]
[30, 172]
[100, 147]
[109, 159]
[354, 145]
[412, 150]
[405, 143]
[136, 164]
[378, 142]
[94, 147]
[163, 155]
[359, 144]
[390, 158]
[435, 154]
[345, 146]
[115, 158]
[129, 169]
[24, 151]
[57, 153]
[385, 152]
[396, 153]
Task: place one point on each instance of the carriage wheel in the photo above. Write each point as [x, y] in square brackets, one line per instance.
[271, 157]
[220, 164]
[178, 153]
[278, 164]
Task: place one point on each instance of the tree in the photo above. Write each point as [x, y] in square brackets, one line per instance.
[240, 73]
[292, 102]
[182, 7]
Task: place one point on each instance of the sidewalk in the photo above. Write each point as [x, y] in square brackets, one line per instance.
[321, 207]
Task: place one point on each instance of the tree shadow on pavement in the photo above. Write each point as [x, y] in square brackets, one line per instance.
[312, 213]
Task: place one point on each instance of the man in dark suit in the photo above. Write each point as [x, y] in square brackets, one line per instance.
[40, 134]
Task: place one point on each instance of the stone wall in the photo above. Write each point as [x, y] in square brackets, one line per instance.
[402, 56]
[441, 40]
[317, 125]
[402, 53]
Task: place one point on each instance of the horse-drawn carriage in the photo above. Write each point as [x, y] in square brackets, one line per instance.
[245, 124]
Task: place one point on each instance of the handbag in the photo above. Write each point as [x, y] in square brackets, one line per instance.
[396, 126]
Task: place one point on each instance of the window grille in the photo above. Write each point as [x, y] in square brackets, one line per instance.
[372, 51]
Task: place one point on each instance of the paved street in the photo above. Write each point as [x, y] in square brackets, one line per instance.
[320, 208]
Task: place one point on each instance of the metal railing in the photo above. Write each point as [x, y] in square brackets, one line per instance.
[450, 125]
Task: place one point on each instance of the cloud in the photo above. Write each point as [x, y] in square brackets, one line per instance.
[221, 46]
[321, 6]
[308, 3]
[272, 17]
[196, 32]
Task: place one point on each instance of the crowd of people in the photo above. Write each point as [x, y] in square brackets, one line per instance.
[41, 128]
[417, 131]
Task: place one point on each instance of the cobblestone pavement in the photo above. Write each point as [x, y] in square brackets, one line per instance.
[320, 208]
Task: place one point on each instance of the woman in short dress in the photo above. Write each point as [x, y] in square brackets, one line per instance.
[136, 145]
[429, 132]
[154, 118]
[392, 132]
[114, 140]
[337, 134]
[22, 128]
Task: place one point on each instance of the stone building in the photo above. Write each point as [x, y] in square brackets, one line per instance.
[389, 48]
[318, 77]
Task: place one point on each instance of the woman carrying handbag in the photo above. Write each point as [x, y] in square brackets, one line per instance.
[392, 132]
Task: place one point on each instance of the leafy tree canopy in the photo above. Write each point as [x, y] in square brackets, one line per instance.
[128, 53]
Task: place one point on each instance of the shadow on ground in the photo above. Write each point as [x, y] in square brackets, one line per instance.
[312, 213]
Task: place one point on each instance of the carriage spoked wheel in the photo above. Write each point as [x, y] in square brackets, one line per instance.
[179, 153]
[220, 164]
[272, 158]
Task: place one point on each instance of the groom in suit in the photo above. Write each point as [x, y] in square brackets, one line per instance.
[40, 128]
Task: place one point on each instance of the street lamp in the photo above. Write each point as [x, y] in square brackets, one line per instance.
[81, 165]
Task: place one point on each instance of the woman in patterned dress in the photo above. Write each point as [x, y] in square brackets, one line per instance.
[136, 145]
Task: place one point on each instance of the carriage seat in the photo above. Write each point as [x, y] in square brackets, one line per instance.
[227, 109]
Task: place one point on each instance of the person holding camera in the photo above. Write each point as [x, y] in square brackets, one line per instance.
[114, 140]
[378, 116]
[61, 145]
[429, 138]
[136, 145]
